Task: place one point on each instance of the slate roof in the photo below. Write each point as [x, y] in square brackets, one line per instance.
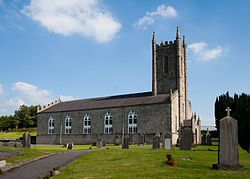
[109, 102]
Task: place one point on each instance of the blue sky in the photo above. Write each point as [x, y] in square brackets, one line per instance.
[88, 48]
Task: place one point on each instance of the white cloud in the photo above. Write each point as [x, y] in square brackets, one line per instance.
[32, 94]
[68, 17]
[197, 47]
[150, 17]
[201, 50]
[26, 94]
[15, 102]
[66, 98]
[1, 89]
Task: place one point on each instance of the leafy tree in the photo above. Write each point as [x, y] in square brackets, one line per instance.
[7, 122]
[26, 115]
[240, 105]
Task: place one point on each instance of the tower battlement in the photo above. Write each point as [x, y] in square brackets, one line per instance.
[169, 44]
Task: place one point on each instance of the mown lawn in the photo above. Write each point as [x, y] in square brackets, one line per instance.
[148, 163]
[16, 134]
[38, 151]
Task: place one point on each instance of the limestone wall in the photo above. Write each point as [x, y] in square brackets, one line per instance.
[151, 119]
[175, 116]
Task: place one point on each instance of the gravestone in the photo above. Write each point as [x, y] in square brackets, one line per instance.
[140, 139]
[99, 143]
[70, 146]
[117, 140]
[18, 144]
[203, 139]
[125, 144]
[2, 163]
[26, 140]
[156, 142]
[167, 144]
[177, 143]
[103, 144]
[228, 154]
[206, 138]
[186, 138]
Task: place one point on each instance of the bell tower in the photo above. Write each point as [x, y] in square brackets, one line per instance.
[169, 70]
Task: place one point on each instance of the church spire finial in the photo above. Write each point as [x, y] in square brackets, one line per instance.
[177, 33]
[153, 39]
[184, 41]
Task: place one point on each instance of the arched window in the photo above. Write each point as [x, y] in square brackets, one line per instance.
[108, 123]
[51, 125]
[132, 122]
[87, 124]
[165, 65]
[68, 125]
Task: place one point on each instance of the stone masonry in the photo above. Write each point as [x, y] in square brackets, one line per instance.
[151, 119]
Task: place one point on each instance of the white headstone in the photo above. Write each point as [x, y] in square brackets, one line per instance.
[2, 163]
[167, 144]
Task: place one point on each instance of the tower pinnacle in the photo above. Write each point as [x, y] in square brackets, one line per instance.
[177, 33]
[184, 42]
[153, 39]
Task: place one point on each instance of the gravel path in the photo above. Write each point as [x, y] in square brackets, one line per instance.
[42, 167]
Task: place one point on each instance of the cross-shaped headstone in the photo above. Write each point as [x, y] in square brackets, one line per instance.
[228, 111]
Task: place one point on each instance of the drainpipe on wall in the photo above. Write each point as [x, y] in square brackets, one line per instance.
[60, 137]
[122, 124]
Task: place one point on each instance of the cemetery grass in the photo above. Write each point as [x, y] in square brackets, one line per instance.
[37, 151]
[148, 163]
[16, 134]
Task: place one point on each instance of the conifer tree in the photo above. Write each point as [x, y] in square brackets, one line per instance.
[240, 105]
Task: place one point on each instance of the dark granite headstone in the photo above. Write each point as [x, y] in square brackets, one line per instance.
[206, 138]
[228, 154]
[156, 142]
[70, 146]
[203, 139]
[186, 138]
[26, 140]
[177, 143]
[125, 144]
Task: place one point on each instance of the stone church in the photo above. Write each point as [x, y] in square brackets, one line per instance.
[138, 116]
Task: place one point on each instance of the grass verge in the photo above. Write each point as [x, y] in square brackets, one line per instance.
[16, 134]
[148, 163]
[37, 151]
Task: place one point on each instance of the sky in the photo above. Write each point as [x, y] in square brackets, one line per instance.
[75, 49]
